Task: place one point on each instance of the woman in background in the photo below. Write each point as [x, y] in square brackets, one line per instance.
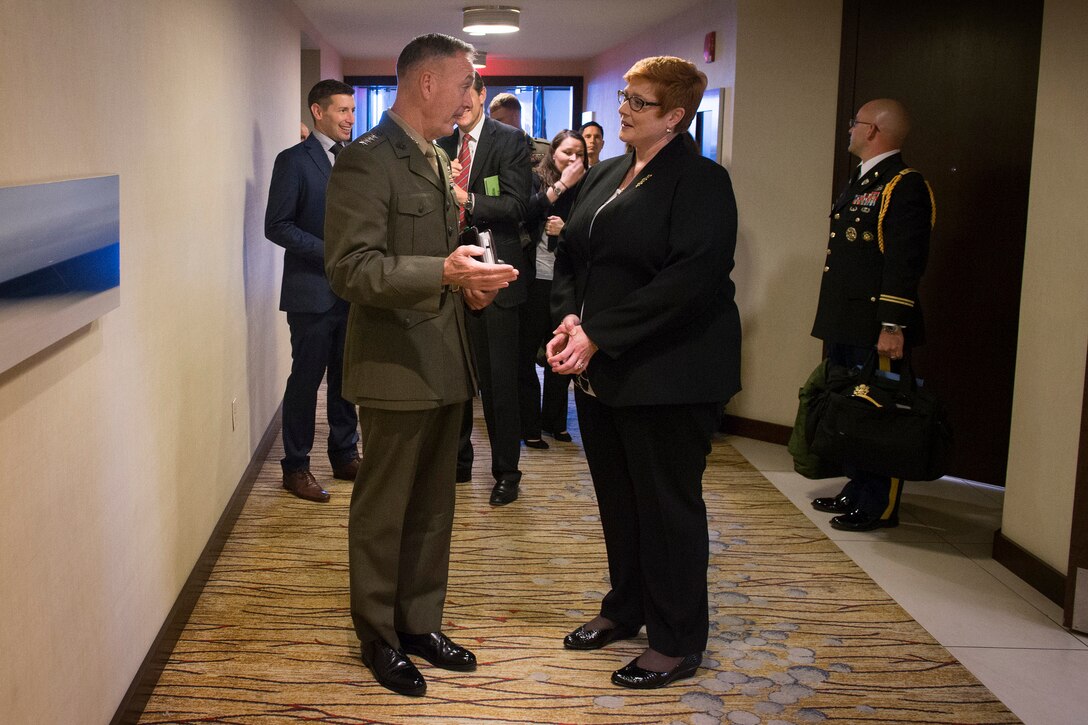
[649, 326]
[555, 182]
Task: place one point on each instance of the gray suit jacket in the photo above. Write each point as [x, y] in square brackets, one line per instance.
[389, 225]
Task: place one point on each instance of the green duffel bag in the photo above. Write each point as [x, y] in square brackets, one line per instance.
[805, 462]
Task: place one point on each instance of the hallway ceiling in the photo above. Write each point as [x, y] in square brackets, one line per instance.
[550, 29]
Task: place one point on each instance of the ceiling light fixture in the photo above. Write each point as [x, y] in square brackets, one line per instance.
[479, 60]
[487, 19]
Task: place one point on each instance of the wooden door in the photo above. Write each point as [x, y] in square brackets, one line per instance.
[967, 71]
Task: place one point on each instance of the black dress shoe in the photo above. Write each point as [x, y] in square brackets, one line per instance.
[463, 475]
[538, 443]
[505, 492]
[583, 638]
[858, 520]
[834, 504]
[439, 650]
[562, 436]
[637, 678]
[393, 670]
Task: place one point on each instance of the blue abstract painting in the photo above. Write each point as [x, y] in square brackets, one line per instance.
[60, 261]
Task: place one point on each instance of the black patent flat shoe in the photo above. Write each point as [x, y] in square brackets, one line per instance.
[636, 678]
[538, 443]
[583, 638]
[562, 436]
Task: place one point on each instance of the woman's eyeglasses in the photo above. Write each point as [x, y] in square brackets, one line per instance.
[636, 103]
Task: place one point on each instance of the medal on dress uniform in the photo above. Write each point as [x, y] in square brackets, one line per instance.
[851, 234]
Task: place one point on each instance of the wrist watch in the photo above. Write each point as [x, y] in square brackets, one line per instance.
[890, 329]
[469, 203]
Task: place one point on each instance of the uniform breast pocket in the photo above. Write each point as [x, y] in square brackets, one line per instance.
[415, 212]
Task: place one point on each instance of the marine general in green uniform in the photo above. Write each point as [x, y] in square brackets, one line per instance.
[391, 251]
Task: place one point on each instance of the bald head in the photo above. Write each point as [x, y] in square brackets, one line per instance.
[882, 125]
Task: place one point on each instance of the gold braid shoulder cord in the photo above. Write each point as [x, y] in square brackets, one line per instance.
[886, 199]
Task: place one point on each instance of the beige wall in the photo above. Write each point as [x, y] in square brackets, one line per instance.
[783, 149]
[118, 453]
[683, 37]
[118, 450]
[1054, 305]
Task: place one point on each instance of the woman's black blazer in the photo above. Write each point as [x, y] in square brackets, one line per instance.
[648, 275]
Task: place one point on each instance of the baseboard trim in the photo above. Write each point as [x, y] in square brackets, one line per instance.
[143, 684]
[1047, 580]
[757, 429]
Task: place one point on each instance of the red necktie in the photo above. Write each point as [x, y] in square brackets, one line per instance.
[464, 157]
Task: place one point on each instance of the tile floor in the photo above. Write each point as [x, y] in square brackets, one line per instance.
[937, 566]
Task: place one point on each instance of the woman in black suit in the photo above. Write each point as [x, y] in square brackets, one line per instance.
[650, 328]
[555, 183]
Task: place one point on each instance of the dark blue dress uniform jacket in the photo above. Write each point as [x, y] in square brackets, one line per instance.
[864, 285]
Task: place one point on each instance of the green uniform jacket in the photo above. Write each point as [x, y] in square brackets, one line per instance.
[389, 225]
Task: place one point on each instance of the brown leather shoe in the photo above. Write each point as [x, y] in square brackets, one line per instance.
[304, 485]
[347, 471]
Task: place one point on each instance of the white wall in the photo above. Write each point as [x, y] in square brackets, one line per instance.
[1053, 303]
[118, 451]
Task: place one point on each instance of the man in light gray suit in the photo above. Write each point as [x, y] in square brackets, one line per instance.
[391, 250]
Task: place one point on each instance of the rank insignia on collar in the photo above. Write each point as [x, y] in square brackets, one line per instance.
[643, 180]
[865, 182]
[851, 234]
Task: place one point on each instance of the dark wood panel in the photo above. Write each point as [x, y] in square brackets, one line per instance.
[1078, 540]
[968, 72]
[1036, 572]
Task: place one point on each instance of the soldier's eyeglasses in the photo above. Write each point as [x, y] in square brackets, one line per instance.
[855, 122]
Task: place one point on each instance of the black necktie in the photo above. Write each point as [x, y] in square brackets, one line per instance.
[335, 148]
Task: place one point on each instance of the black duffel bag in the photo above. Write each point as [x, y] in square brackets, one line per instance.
[876, 423]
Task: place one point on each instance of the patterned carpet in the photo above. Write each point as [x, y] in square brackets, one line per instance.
[799, 634]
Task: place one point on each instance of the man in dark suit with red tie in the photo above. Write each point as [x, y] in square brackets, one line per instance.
[493, 189]
[876, 254]
[295, 220]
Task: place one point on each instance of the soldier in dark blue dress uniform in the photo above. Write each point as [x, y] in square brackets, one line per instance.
[876, 254]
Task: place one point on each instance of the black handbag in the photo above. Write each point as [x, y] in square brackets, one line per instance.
[876, 423]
